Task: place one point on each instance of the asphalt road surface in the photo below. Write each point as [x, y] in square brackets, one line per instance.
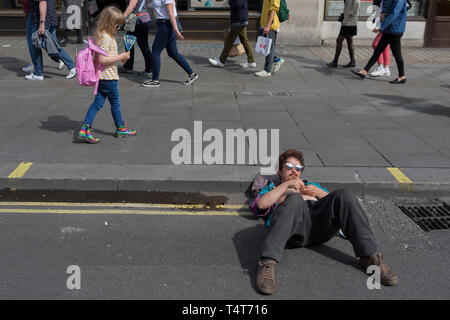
[60, 250]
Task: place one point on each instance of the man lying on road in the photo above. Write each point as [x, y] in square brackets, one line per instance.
[302, 214]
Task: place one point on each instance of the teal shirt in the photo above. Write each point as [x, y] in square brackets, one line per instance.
[269, 187]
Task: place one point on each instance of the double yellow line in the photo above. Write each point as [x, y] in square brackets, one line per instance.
[122, 208]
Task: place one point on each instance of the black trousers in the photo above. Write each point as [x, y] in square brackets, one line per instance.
[303, 223]
[394, 40]
[141, 33]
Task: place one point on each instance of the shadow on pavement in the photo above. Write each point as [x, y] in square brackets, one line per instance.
[334, 254]
[413, 104]
[248, 247]
[64, 124]
[14, 64]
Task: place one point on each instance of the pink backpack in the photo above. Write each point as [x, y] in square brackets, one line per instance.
[88, 70]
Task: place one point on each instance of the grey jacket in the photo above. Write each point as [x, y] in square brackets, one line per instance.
[351, 8]
[46, 42]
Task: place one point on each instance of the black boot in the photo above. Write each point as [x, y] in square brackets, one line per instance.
[332, 64]
[351, 64]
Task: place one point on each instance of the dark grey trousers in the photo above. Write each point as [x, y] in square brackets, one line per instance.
[303, 223]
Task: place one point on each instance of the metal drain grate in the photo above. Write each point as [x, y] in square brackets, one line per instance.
[431, 216]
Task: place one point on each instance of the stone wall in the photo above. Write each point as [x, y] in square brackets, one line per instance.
[305, 25]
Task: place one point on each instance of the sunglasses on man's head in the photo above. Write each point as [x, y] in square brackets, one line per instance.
[291, 166]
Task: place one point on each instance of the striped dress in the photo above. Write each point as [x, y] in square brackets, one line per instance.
[109, 44]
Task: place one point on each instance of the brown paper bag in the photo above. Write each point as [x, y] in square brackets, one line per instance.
[237, 49]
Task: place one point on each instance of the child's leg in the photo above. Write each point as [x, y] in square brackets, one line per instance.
[374, 45]
[386, 57]
[112, 92]
[96, 106]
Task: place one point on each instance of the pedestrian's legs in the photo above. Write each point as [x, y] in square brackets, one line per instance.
[384, 41]
[268, 66]
[62, 53]
[30, 44]
[97, 105]
[142, 30]
[374, 45]
[36, 55]
[112, 93]
[79, 36]
[243, 37]
[234, 31]
[172, 51]
[340, 210]
[386, 57]
[337, 53]
[351, 48]
[158, 46]
[289, 218]
[396, 48]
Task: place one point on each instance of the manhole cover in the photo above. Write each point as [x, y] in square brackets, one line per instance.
[429, 216]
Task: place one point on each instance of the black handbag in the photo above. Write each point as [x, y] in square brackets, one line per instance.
[341, 17]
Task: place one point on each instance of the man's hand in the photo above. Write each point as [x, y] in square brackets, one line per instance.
[375, 30]
[313, 191]
[293, 186]
[266, 30]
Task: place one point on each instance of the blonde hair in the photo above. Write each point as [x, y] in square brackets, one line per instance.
[110, 18]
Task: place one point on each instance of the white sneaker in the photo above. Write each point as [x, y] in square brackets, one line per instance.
[32, 76]
[60, 65]
[72, 73]
[387, 72]
[29, 68]
[248, 65]
[378, 72]
[216, 62]
[263, 73]
[277, 65]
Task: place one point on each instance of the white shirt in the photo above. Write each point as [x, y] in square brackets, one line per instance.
[161, 9]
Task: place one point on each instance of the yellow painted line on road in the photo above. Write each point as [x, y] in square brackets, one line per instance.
[118, 205]
[400, 176]
[20, 170]
[128, 212]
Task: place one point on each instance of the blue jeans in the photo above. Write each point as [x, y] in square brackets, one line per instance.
[166, 38]
[30, 45]
[271, 57]
[106, 89]
[36, 54]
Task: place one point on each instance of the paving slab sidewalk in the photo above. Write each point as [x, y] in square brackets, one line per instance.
[350, 130]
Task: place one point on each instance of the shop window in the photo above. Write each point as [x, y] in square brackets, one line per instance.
[253, 5]
[333, 8]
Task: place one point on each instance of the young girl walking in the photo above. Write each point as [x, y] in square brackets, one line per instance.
[108, 87]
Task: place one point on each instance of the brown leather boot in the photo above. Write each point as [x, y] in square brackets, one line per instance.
[265, 279]
[388, 277]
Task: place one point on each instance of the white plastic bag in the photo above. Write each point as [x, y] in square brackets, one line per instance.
[263, 45]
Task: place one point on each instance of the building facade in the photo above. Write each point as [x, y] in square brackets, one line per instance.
[312, 22]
